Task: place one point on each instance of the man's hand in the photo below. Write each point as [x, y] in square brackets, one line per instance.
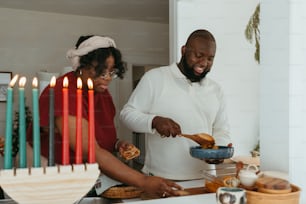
[166, 127]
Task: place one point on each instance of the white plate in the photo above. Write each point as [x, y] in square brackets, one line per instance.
[247, 160]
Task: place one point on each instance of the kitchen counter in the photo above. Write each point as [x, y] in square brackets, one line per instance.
[194, 199]
[184, 184]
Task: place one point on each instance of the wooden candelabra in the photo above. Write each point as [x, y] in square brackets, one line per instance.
[44, 185]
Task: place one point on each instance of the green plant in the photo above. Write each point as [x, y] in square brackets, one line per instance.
[256, 151]
[252, 32]
[15, 135]
[257, 147]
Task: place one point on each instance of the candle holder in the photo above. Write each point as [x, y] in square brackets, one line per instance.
[55, 184]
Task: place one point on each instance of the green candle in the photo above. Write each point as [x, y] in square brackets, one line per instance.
[36, 133]
[8, 162]
[22, 125]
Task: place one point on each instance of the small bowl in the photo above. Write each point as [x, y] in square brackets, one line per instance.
[247, 180]
[223, 152]
[249, 175]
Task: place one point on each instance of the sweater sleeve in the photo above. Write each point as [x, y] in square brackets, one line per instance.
[221, 127]
[136, 113]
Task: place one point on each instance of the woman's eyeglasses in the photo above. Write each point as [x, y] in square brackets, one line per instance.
[106, 75]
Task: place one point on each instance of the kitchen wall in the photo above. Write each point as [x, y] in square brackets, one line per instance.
[37, 41]
[266, 101]
[282, 94]
[234, 67]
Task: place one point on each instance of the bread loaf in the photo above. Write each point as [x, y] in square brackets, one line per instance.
[273, 185]
[208, 142]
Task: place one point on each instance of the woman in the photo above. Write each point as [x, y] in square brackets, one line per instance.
[97, 58]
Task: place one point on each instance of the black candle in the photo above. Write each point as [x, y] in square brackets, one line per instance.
[51, 122]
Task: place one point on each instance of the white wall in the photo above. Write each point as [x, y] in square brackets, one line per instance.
[234, 67]
[283, 83]
[36, 41]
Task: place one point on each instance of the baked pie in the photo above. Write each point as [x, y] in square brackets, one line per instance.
[129, 153]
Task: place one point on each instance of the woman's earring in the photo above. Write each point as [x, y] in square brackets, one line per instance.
[80, 72]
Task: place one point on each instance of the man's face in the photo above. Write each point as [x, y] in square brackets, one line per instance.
[197, 58]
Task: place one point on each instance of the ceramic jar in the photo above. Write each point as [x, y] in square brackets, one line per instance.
[231, 195]
[249, 175]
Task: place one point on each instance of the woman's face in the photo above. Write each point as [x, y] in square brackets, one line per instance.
[101, 82]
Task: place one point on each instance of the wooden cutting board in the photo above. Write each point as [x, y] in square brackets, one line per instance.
[196, 190]
[185, 192]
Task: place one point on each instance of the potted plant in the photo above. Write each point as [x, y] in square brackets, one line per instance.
[15, 134]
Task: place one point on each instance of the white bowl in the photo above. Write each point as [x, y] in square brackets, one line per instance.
[248, 180]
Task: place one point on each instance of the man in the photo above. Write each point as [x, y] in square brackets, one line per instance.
[176, 99]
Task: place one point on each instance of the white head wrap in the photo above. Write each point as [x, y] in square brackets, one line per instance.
[87, 46]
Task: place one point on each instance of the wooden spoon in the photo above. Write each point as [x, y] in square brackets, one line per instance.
[203, 139]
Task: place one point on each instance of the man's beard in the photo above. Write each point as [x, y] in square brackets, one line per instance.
[188, 72]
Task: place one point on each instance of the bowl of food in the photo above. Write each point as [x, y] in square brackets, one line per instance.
[215, 153]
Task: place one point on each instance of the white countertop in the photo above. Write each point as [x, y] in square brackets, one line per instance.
[194, 199]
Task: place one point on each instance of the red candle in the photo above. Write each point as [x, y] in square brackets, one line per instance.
[78, 143]
[65, 133]
[91, 123]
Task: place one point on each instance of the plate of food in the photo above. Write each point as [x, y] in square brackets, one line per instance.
[207, 150]
[130, 152]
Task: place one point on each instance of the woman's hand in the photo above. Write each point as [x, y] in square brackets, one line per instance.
[166, 127]
[160, 187]
[123, 145]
